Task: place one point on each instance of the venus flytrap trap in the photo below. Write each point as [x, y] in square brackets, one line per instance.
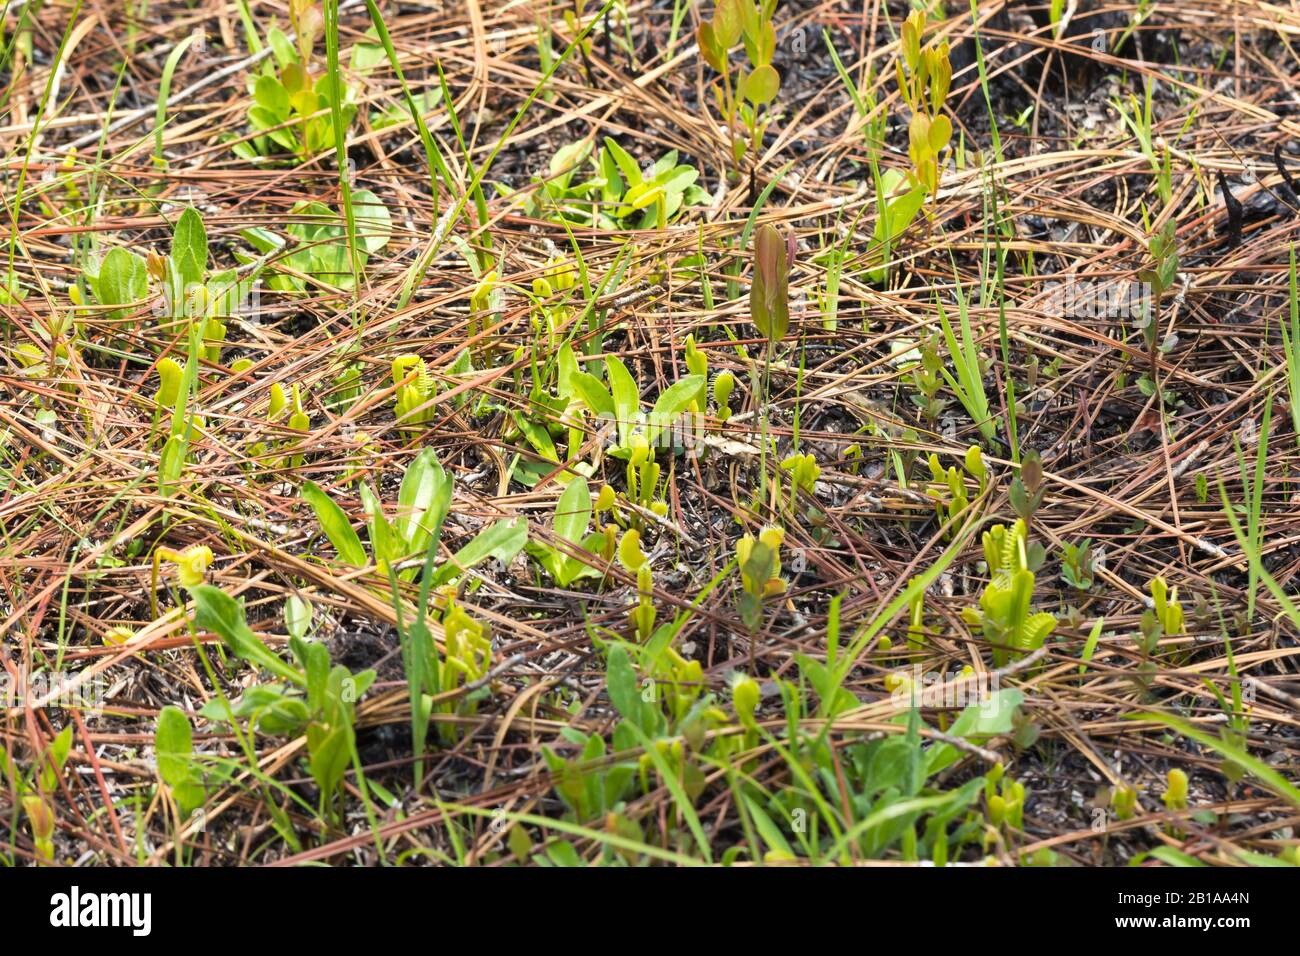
[1164, 619]
[1004, 802]
[191, 569]
[415, 390]
[723, 386]
[1175, 796]
[804, 472]
[642, 616]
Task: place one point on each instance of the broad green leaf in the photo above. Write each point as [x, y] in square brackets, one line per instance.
[190, 248]
[626, 164]
[335, 524]
[218, 612]
[761, 86]
[501, 541]
[593, 394]
[423, 501]
[621, 683]
[123, 280]
[573, 511]
[374, 222]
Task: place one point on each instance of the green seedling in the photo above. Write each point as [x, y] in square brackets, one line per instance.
[40, 821]
[924, 77]
[1159, 279]
[1004, 615]
[1167, 609]
[951, 512]
[968, 382]
[292, 110]
[769, 292]
[745, 95]
[617, 193]
[1027, 488]
[1291, 348]
[927, 377]
[723, 386]
[314, 251]
[918, 632]
[1078, 564]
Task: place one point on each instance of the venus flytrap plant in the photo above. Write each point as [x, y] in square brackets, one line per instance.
[423, 502]
[416, 389]
[618, 194]
[1159, 279]
[804, 472]
[759, 561]
[950, 512]
[311, 699]
[1167, 609]
[1004, 615]
[642, 616]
